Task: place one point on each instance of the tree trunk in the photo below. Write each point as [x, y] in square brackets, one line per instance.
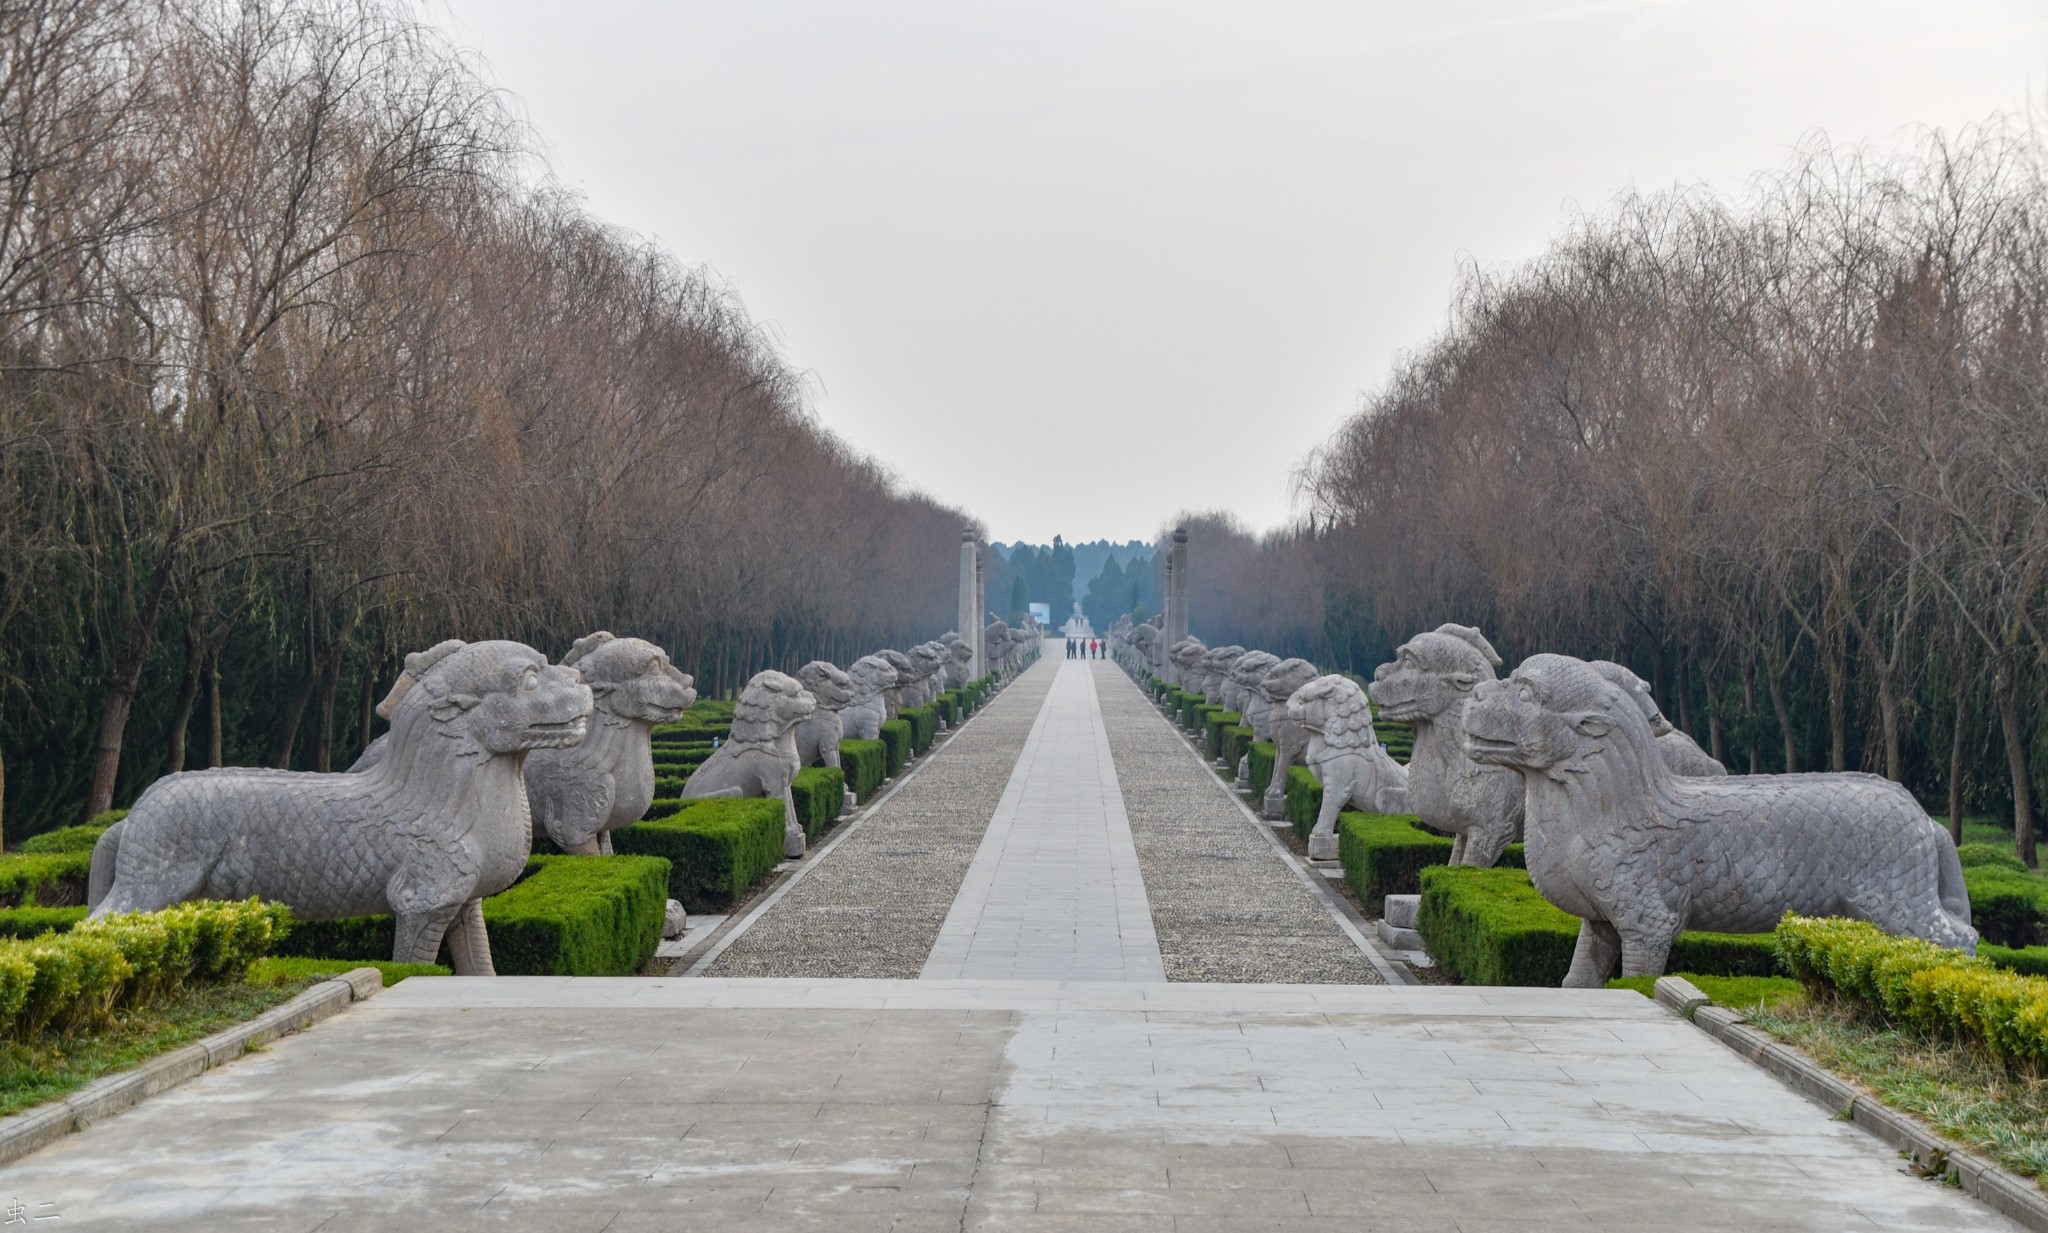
[1777, 692]
[1838, 709]
[1955, 760]
[287, 734]
[367, 704]
[330, 684]
[1888, 711]
[188, 694]
[129, 660]
[1749, 711]
[3, 798]
[2016, 765]
[1682, 678]
[215, 725]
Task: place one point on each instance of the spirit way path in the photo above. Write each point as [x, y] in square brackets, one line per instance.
[982, 1098]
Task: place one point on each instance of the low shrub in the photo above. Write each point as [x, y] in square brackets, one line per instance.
[820, 794]
[44, 879]
[1938, 991]
[286, 970]
[1304, 800]
[1215, 733]
[34, 922]
[1262, 755]
[1491, 927]
[896, 743]
[866, 764]
[2030, 960]
[2009, 907]
[924, 727]
[72, 838]
[947, 707]
[716, 849]
[1972, 855]
[669, 785]
[1384, 854]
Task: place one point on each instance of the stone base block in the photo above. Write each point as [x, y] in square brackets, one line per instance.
[1399, 938]
[1401, 910]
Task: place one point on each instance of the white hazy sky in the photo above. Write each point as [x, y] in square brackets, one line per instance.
[1076, 266]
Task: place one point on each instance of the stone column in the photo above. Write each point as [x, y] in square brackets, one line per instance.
[981, 664]
[1177, 585]
[970, 568]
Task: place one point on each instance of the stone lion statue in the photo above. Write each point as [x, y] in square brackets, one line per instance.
[1346, 757]
[1254, 707]
[1141, 639]
[929, 663]
[1290, 739]
[580, 793]
[429, 830]
[1217, 687]
[759, 758]
[1427, 686]
[817, 738]
[995, 644]
[1681, 753]
[862, 718]
[892, 695]
[961, 669]
[1640, 854]
[1185, 657]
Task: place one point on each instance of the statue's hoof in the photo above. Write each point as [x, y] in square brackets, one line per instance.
[793, 846]
[1275, 810]
[850, 802]
[1322, 847]
[675, 921]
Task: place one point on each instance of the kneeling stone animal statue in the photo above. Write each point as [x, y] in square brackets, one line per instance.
[1640, 854]
[429, 830]
[581, 793]
[759, 758]
[1427, 686]
[1346, 757]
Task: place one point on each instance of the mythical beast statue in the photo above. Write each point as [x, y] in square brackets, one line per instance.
[1682, 755]
[1255, 709]
[580, 793]
[1346, 757]
[1426, 686]
[1290, 739]
[435, 825]
[1186, 658]
[862, 718]
[928, 661]
[759, 758]
[817, 738]
[1640, 854]
[1217, 687]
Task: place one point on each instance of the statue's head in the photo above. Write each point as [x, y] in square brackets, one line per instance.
[928, 657]
[631, 678]
[1334, 708]
[962, 653]
[1284, 678]
[1433, 673]
[1252, 667]
[905, 670]
[1557, 716]
[771, 704]
[1187, 654]
[492, 697]
[832, 688]
[871, 674]
[1639, 690]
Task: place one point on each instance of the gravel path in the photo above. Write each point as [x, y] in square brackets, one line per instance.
[874, 906]
[1225, 906]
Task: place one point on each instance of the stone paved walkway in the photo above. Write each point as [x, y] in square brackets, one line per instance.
[1054, 892]
[633, 1105]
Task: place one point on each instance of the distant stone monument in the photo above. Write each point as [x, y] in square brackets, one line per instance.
[581, 793]
[1346, 757]
[429, 830]
[1429, 682]
[759, 758]
[1641, 854]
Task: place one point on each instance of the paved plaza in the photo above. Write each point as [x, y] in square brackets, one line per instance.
[1026, 1062]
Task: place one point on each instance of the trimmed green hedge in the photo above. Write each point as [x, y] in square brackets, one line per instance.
[2008, 906]
[568, 916]
[1304, 800]
[2032, 960]
[1215, 734]
[72, 838]
[1385, 854]
[947, 707]
[284, 970]
[46, 879]
[1263, 755]
[820, 794]
[1939, 991]
[34, 922]
[716, 849]
[896, 742]
[866, 764]
[924, 727]
[1491, 927]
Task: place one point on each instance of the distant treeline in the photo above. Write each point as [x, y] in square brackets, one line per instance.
[303, 365]
[1108, 578]
[1786, 456]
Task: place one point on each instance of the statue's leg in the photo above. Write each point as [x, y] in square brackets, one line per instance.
[712, 796]
[1599, 946]
[1646, 947]
[1458, 849]
[1322, 841]
[1483, 845]
[604, 843]
[420, 932]
[468, 945]
[1276, 788]
[793, 842]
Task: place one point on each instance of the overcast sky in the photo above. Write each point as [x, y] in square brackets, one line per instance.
[1076, 266]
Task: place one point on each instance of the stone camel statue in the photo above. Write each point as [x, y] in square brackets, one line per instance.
[1426, 686]
[1345, 754]
[580, 793]
[759, 758]
[437, 824]
[1640, 854]
[1290, 739]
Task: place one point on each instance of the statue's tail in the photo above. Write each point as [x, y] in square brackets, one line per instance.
[101, 878]
[1955, 895]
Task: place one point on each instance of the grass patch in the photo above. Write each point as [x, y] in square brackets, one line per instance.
[298, 971]
[1744, 993]
[55, 1066]
[1961, 1092]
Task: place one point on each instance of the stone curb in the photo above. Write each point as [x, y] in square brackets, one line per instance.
[22, 1133]
[2010, 1195]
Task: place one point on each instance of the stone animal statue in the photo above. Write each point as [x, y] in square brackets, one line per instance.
[892, 697]
[1217, 686]
[928, 660]
[1682, 755]
[1186, 658]
[1640, 854]
[961, 670]
[1142, 639]
[1254, 707]
[580, 793]
[1290, 739]
[817, 738]
[861, 719]
[1345, 754]
[438, 823]
[759, 758]
[1427, 686]
[995, 643]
